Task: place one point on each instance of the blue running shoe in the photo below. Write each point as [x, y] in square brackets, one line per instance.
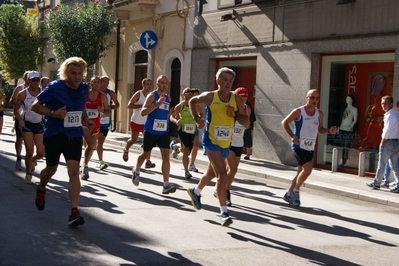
[195, 199]
[287, 197]
[225, 219]
[295, 200]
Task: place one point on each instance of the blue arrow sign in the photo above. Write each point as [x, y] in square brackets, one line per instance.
[148, 39]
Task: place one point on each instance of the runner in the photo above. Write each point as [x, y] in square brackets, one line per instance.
[137, 120]
[96, 104]
[223, 107]
[186, 128]
[30, 123]
[156, 131]
[63, 104]
[105, 121]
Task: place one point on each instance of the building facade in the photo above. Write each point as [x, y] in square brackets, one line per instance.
[281, 49]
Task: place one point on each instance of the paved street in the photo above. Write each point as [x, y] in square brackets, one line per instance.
[127, 225]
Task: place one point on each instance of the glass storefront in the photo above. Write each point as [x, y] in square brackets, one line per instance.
[351, 91]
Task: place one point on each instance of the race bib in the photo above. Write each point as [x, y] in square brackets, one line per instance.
[189, 128]
[222, 133]
[159, 125]
[73, 119]
[307, 143]
[92, 113]
[239, 130]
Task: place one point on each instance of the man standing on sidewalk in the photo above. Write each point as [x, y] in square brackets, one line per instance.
[223, 108]
[63, 104]
[308, 122]
[156, 131]
[389, 145]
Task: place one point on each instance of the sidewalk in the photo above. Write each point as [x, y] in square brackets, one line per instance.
[342, 184]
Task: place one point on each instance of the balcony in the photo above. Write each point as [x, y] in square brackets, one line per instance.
[124, 8]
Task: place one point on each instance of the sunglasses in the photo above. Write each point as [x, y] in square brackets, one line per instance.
[35, 80]
[314, 98]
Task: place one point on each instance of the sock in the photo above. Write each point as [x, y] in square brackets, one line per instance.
[223, 209]
[197, 191]
[296, 191]
[85, 165]
[19, 158]
[165, 184]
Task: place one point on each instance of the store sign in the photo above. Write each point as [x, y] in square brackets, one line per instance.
[32, 12]
[352, 80]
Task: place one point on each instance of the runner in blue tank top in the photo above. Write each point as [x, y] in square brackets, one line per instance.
[63, 104]
[308, 122]
[156, 131]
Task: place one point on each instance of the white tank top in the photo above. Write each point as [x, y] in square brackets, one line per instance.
[306, 129]
[27, 114]
[136, 116]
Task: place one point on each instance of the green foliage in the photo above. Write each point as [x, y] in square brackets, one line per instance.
[20, 42]
[80, 30]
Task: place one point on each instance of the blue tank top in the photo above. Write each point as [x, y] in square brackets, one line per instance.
[57, 95]
[157, 122]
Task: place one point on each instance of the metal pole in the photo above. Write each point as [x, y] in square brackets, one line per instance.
[334, 166]
[362, 164]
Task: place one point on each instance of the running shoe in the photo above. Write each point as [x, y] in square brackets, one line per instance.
[195, 199]
[103, 165]
[84, 172]
[372, 185]
[225, 219]
[395, 189]
[75, 219]
[136, 178]
[228, 197]
[169, 189]
[18, 165]
[383, 185]
[295, 199]
[125, 155]
[287, 197]
[149, 164]
[40, 199]
[188, 175]
[192, 168]
[34, 163]
[28, 178]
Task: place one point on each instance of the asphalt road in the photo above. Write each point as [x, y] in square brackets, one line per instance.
[127, 225]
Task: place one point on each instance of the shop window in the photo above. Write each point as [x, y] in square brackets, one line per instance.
[351, 90]
[232, 3]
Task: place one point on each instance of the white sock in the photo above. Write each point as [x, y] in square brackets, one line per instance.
[223, 209]
[296, 191]
[197, 191]
[165, 184]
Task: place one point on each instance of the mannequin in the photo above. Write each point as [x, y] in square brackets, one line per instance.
[346, 129]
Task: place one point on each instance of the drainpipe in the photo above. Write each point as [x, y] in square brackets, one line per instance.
[118, 33]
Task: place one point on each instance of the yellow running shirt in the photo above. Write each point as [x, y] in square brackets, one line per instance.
[219, 125]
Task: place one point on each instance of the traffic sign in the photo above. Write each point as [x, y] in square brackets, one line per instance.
[148, 39]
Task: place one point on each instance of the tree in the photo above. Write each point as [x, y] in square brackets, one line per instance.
[20, 42]
[80, 30]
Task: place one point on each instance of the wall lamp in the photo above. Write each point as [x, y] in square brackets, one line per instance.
[227, 17]
[344, 2]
